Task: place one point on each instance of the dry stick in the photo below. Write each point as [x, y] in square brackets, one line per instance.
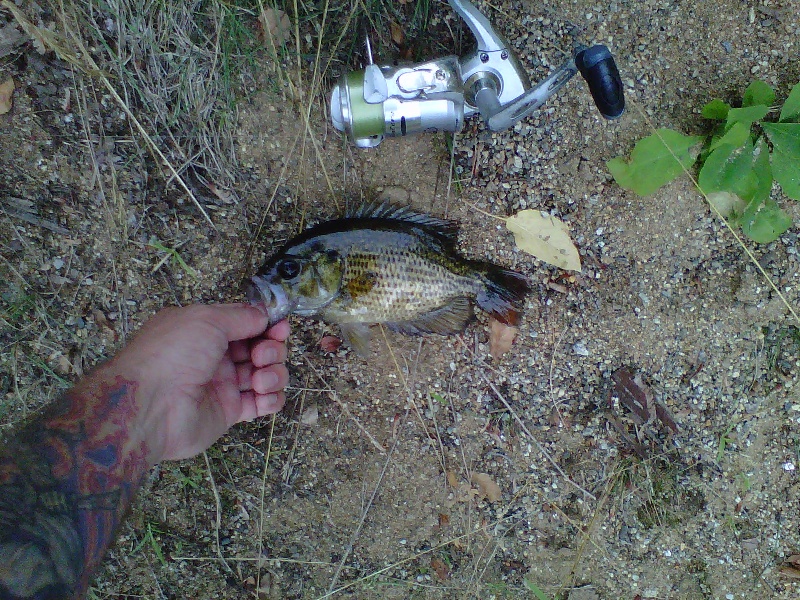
[257, 236]
[366, 509]
[261, 504]
[413, 557]
[535, 441]
[290, 456]
[363, 518]
[411, 397]
[344, 408]
[735, 235]
[218, 503]
[586, 538]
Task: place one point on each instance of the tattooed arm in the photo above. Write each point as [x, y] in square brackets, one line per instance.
[68, 477]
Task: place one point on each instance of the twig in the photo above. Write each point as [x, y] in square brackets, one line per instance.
[344, 408]
[364, 514]
[218, 503]
[414, 557]
[261, 503]
[534, 440]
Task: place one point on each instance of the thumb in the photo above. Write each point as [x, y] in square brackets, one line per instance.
[238, 321]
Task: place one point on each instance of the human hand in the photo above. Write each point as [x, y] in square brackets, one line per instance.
[201, 369]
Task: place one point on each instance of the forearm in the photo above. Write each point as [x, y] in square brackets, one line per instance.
[66, 480]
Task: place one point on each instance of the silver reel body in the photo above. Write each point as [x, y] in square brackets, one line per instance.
[437, 95]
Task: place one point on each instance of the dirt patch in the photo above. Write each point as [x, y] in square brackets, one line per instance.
[372, 498]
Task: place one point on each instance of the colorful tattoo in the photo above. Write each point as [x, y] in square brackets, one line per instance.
[66, 480]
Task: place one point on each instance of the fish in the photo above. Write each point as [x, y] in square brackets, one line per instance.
[387, 264]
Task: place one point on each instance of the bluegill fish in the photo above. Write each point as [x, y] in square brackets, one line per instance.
[385, 264]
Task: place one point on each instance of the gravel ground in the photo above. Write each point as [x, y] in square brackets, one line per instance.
[370, 489]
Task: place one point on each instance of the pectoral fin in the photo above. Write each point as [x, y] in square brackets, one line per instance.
[357, 336]
[448, 319]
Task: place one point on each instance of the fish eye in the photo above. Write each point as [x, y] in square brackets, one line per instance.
[288, 268]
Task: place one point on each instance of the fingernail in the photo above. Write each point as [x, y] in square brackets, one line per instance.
[269, 356]
[269, 381]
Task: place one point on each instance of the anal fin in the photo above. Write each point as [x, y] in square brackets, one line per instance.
[357, 336]
[448, 319]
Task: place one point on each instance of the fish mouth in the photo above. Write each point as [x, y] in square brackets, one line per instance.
[271, 297]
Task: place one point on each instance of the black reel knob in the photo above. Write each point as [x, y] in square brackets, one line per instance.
[598, 68]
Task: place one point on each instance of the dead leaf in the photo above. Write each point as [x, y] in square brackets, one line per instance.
[452, 480]
[666, 417]
[330, 343]
[545, 237]
[727, 203]
[276, 25]
[791, 568]
[488, 488]
[440, 568]
[633, 394]
[397, 33]
[501, 337]
[310, 415]
[6, 95]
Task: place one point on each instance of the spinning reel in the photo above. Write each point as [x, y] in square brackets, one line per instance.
[437, 95]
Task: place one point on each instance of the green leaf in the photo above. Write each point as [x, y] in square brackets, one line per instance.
[655, 161]
[736, 136]
[758, 92]
[730, 169]
[763, 171]
[785, 138]
[746, 115]
[791, 108]
[767, 224]
[716, 109]
[532, 587]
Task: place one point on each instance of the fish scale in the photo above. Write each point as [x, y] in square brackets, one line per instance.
[405, 285]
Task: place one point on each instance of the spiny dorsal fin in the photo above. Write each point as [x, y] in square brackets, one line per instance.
[441, 228]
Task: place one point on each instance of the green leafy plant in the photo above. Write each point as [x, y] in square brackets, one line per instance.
[170, 254]
[738, 160]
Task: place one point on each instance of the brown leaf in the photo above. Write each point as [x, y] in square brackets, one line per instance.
[501, 337]
[791, 568]
[397, 33]
[633, 394]
[452, 480]
[441, 568]
[276, 26]
[666, 417]
[330, 343]
[488, 488]
[6, 95]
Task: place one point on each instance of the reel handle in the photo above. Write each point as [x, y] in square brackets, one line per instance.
[597, 66]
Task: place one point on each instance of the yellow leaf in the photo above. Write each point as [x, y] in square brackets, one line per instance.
[546, 237]
[489, 489]
[6, 95]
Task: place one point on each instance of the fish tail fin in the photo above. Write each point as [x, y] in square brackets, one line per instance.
[503, 294]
